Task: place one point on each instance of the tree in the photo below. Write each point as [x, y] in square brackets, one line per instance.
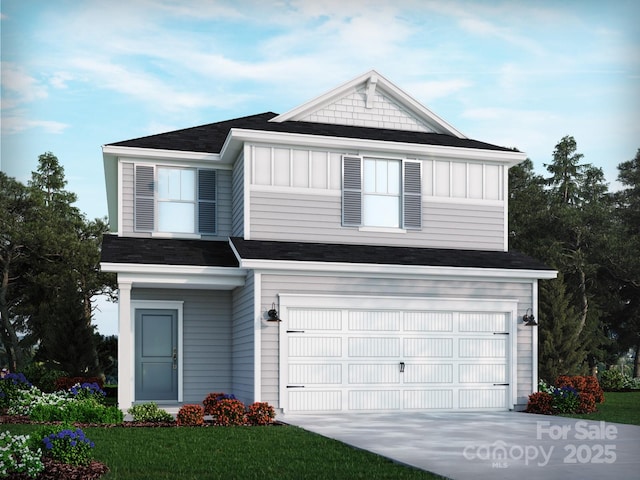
[623, 263]
[59, 273]
[561, 351]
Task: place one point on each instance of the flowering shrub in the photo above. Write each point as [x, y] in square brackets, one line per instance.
[565, 400]
[26, 400]
[17, 458]
[229, 412]
[612, 380]
[191, 415]
[260, 413]
[68, 445]
[88, 390]
[210, 401]
[10, 386]
[587, 384]
[545, 387]
[540, 402]
[65, 383]
[593, 387]
[587, 403]
[149, 412]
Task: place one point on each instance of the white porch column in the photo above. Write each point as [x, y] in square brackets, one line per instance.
[125, 347]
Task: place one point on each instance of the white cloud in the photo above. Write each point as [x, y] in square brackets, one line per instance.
[18, 86]
[16, 123]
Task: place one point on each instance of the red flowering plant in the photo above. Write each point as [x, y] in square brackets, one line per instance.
[587, 403]
[210, 401]
[228, 411]
[540, 402]
[260, 413]
[190, 415]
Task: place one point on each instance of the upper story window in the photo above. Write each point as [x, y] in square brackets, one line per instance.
[175, 200]
[380, 192]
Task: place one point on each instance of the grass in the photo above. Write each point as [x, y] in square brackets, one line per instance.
[618, 407]
[282, 452]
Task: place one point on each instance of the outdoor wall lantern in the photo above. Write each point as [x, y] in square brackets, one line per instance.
[272, 315]
[528, 318]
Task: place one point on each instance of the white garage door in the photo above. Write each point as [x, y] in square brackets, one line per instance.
[391, 359]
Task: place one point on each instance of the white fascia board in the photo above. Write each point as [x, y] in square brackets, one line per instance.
[159, 154]
[238, 136]
[359, 269]
[185, 276]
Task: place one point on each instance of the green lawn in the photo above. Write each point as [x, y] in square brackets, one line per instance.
[197, 453]
[618, 407]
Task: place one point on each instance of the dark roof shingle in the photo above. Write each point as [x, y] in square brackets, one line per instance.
[167, 251]
[211, 137]
[384, 255]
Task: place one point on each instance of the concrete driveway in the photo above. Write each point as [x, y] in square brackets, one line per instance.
[496, 445]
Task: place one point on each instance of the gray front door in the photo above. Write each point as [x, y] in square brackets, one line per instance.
[156, 354]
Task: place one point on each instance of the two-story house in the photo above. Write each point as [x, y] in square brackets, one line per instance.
[348, 255]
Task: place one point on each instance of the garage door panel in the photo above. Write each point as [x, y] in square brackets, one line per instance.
[483, 322]
[374, 399]
[428, 321]
[428, 373]
[482, 373]
[309, 346]
[428, 347]
[315, 401]
[315, 373]
[374, 346]
[373, 373]
[427, 399]
[482, 347]
[478, 398]
[369, 320]
[314, 319]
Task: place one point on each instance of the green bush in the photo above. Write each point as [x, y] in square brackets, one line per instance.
[82, 411]
[611, 380]
[11, 387]
[42, 377]
[149, 412]
[565, 400]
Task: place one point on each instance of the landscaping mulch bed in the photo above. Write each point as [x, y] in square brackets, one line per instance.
[54, 470]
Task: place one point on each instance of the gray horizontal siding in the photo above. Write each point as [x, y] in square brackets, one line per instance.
[207, 359]
[317, 218]
[243, 342]
[272, 285]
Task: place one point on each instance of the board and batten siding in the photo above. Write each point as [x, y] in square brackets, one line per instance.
[243, 341]
[224, 201]
[273, 285]
[299, 192]
[207, 339]
[316, 217]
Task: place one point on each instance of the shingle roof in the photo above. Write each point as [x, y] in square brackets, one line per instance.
[210, 253]
[384, 255]
[211, 137]
[167, 251]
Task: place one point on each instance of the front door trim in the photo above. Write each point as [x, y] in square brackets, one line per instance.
[164, 305]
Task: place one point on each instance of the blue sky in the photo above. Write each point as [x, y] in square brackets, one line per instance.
[80, 74]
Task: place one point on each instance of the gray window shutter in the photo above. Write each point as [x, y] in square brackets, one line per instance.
[207, 201]
[351, 191]
[144, 199]
[412, 195]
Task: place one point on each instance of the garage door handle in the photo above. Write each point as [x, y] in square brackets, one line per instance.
[295, 331]
[295, 386]
[401, 367]
[500, 384]
[501, 333]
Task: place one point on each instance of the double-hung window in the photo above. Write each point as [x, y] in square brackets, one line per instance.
[175, 199]
[379, 192]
